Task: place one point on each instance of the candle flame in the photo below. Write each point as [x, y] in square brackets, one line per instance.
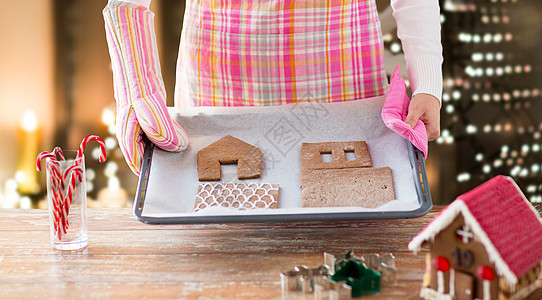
[30, 122]
[113, 184]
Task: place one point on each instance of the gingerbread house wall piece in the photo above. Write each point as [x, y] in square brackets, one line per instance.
[343, 182]
[499, 219]
[229, 150]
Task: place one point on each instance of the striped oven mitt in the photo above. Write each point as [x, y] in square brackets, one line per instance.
[138, 84]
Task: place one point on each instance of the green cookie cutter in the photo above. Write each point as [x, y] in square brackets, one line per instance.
[362, 279]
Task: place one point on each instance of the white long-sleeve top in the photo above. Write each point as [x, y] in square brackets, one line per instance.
[418, 28]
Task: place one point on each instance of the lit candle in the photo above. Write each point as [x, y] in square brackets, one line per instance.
[113, 195]
[29, 138]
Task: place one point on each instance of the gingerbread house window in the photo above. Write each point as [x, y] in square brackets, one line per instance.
[350, 155]
[326, 157]
[464, 234]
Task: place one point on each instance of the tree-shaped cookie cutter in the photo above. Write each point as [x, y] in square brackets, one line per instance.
[384, 264]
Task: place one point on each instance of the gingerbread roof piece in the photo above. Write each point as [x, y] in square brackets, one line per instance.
[229, 150]
[502, 219]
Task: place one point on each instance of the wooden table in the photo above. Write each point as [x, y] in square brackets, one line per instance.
[129, 259]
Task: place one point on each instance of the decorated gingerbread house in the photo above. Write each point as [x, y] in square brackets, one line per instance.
[487, 244]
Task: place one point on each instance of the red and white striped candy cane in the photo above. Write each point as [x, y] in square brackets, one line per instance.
[78, 171]
[41, 156]
[74, 168]
[56, 175]
[54, 191]
[57, 187]
[63, 224]
[62, 196]
[56, 197]
[92, 138]
[56, 204]
[57, 212]
[76, 175]
[58, 153]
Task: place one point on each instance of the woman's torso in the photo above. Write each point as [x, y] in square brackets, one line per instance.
[270, 52]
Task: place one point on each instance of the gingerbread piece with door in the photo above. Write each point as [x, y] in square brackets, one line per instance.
[487, 244]
[229, 150]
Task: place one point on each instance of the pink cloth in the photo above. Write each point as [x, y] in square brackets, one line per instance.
[395, 111]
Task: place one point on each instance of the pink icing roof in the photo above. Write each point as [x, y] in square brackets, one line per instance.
[509, 221]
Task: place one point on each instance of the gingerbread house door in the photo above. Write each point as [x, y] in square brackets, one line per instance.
[464, 286]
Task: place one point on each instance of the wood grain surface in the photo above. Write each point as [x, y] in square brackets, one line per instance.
[128, 259]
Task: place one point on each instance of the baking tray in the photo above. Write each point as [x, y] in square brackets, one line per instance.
[416, 168]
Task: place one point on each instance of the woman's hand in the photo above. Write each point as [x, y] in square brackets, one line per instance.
[426, 108]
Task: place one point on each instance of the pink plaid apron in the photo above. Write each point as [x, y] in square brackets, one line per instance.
[270, 52]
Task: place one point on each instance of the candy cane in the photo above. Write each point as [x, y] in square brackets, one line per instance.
[92, 138]
[57, 214]
[56, 204]
[41, 156]
[55, 168]
[57, 185]
[76, 175]
[63, 221]
[56, 198]
[62, 196]
[74, 168]
[55, 195]
[75, 172]
[56, 176]
[58, 152]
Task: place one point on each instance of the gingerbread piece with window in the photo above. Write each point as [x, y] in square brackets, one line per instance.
[487, 244]
[340, 174]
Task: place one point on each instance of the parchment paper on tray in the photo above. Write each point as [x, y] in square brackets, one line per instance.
[279, 132]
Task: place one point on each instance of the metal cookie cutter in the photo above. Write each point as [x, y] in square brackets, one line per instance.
[325, 289]
[301, 278]
[384, 264]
